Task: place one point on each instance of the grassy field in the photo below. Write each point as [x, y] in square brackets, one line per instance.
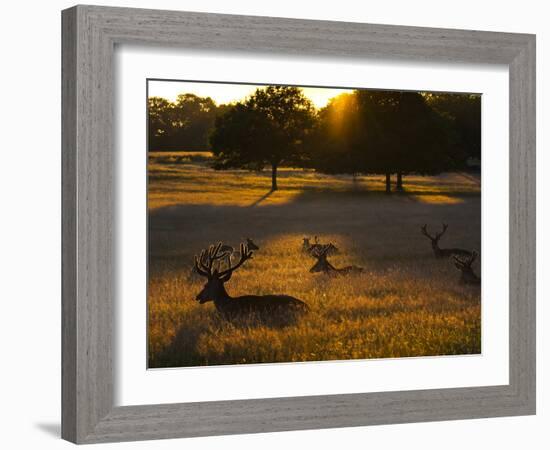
[405, 303]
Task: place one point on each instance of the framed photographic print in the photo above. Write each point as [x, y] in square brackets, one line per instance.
[268, 222]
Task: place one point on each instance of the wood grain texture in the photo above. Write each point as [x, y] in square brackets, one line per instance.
[68, 225]
[89, 36]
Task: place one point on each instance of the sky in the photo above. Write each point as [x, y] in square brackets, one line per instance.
[226, 92]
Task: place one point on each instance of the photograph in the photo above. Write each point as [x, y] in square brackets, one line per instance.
[290, 223]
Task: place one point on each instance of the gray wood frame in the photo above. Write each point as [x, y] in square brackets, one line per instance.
[89, 36]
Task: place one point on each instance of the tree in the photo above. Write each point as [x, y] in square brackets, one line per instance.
[332, 143]
[181, 125]
[267, 129]
[194, 118]
[159, 121]
[382, 132]
[464, 114]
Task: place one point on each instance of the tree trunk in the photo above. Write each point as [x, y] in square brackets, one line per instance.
[399, 185]
[273, 177]
[388, 183]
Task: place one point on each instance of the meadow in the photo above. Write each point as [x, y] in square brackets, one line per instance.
[405, 303]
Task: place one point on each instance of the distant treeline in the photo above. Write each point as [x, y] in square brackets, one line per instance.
[184, 124]
[368, 132]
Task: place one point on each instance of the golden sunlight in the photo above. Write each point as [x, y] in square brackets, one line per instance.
[229, 92]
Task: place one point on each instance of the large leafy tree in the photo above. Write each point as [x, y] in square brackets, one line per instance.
[266, 129]
[382, 132]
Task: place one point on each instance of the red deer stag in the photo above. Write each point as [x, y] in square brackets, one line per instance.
[214, 289]
[442, 252]
[465, 266]
[322, 264]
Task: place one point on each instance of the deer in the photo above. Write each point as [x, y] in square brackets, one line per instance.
[323, 265]
[465, 266]
[442, 252]
[308, 247]
[214, 290]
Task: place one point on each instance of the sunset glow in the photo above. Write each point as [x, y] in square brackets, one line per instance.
[229, 93]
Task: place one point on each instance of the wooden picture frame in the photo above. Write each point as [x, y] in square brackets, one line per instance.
[90, 34]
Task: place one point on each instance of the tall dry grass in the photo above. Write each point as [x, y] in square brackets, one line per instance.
[406, 303]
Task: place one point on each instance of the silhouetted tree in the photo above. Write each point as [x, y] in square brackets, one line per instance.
[464, 114]
[267, 129]
[332, 144]
[182, 125]
[160, 114]
[195, 119]
[382, 132]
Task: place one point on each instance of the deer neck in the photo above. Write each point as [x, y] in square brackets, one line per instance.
[222, 298]
[469, 276]
[327, 267]
[436, 249]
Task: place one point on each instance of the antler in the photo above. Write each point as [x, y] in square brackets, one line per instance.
[320, 251]
[442, 232]
[465, 262]
[424, 231]
[472, 258]
[205, 261]
[245, 254]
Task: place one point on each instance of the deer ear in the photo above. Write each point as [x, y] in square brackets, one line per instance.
[226, 278]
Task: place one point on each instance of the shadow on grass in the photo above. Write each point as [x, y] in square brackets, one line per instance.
[262, 198]
[186, 228]
[184, 348]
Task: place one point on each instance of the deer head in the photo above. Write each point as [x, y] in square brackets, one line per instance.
[251, 245]
[205, 266]
[465, 266]
[462, 263]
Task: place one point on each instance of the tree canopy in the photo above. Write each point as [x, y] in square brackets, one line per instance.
[384, 132]
[267, 129]
[181, 125]
[464, 114]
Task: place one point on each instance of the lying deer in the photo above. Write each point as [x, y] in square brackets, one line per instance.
[465, 266]
[442, 252]
[322, 264]
[214, 289]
